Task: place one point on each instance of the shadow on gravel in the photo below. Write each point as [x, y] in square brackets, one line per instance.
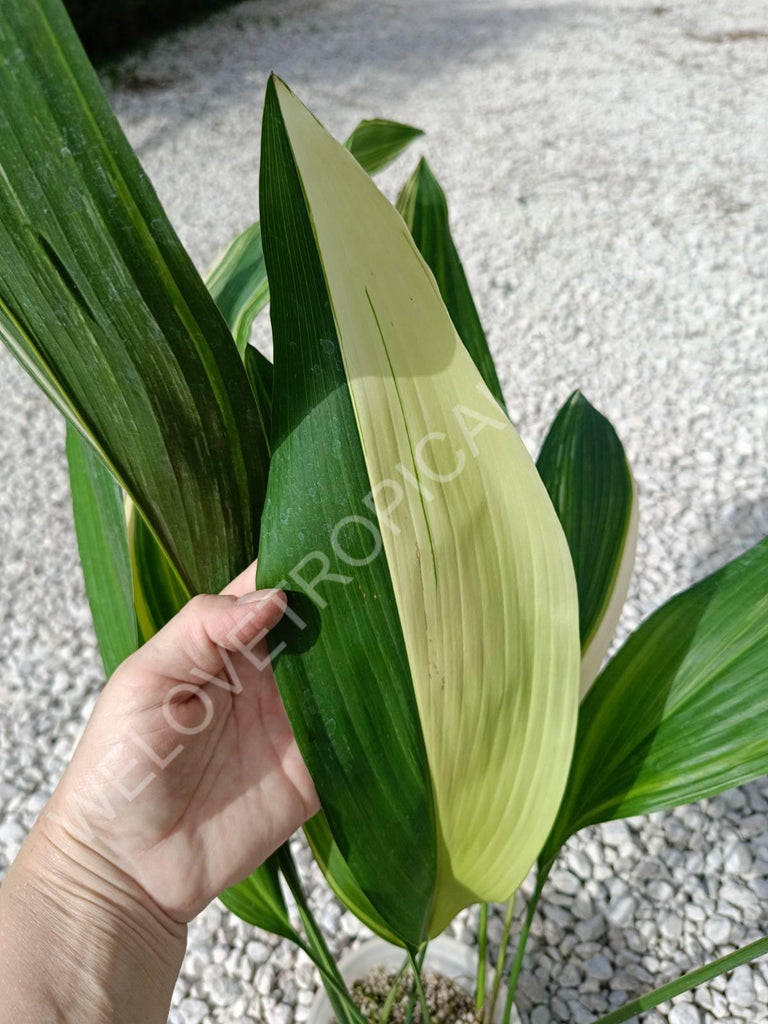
[742, 525]
[212, 65]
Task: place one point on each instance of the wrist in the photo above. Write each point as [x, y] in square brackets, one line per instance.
[106, 952]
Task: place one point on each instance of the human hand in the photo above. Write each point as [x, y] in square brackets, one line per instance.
[186, 778]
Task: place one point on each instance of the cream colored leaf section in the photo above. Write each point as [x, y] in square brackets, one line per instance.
[481, 570]
[597, 648]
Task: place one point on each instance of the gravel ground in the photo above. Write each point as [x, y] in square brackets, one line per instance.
[606, 168]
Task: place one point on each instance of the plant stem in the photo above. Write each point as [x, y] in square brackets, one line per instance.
[386, 1009]
[514, 974]
[498, 973]
[412, 996]
[338, 994]
[687, 981]
[416, 969]
[482, 952]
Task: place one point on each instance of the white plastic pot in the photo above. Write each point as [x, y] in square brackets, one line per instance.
[445, 956]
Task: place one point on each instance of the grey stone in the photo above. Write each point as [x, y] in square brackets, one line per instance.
[591, 929]
[598, 967]
[614, 833]
[622, 912]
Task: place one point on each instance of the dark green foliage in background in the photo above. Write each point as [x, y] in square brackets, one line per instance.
[105, 28]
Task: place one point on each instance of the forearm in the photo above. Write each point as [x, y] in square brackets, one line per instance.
[79, 941]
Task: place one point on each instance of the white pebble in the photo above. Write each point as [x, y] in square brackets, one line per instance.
[718, 930]
[740, 990]
[738, 859]
[257, 952]
[279, 1014]
[622, 912]
[684, 1013]
[671, 927]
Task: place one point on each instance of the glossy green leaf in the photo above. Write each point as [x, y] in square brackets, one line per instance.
[238, 281]
[679, 714]
[424, 209]
[260, 377]
[587, 476]
[341, 879]
[440, 649]
[375, 144]
[97, 503]
[363, 743]
[99, 301]
[259, 900]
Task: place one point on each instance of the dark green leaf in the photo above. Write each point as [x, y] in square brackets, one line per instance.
[259, 901]
[375, 144]
[686, 982]
[362, 743]
[423, 206]
[238, 281]
[585, 471]
[102, 305]
[260, 374]
[341, 879]
[97, 503]
[680, 712]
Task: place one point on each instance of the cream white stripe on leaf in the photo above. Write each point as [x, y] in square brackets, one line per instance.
[479, 565]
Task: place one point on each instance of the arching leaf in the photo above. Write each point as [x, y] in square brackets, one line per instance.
[97, 503]
[424, 209]
[238, 281]
[102, 305]
[680, 712]
[433, 690]
[586, 473]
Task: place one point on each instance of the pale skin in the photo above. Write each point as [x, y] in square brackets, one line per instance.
[140, 836]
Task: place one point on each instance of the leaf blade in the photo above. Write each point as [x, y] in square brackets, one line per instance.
[340, 877]
[586, 473]
[99, 300]
[376, 143]
[678, 713]
[463, 580]
[97, 503]
[371, 761]
[259, 900]
[238, 284]
[238, 280]
[423, 207]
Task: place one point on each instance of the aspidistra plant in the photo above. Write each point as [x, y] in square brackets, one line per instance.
[451, 602]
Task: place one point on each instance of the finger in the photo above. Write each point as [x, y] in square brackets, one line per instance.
[242, 584]
[193, 646]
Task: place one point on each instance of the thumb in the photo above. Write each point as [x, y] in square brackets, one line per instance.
[196, 643]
